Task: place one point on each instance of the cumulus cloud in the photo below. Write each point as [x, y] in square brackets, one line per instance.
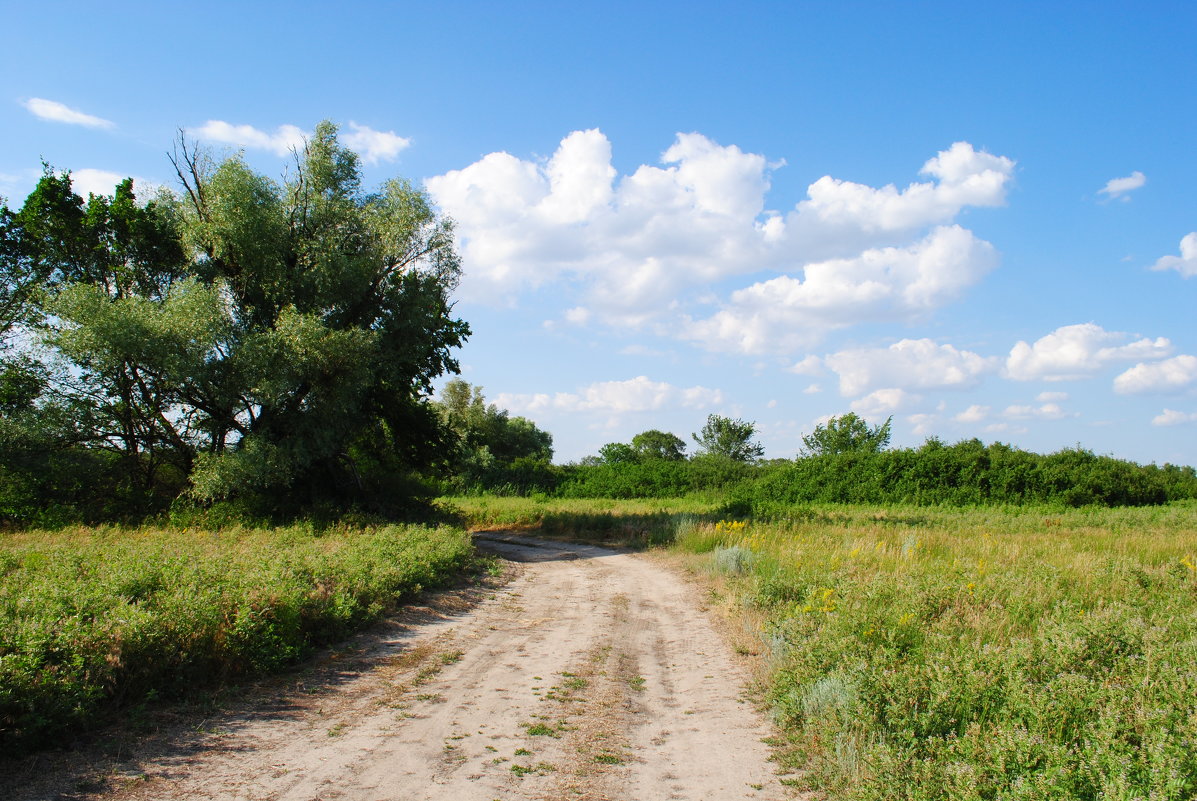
[1186, 262]
[102, 182]
[57, 112]
[285, 138]
[1074, 352]
[891, 283]
[96, 182]
[614, 397]
[639, 243]
[374, 146]
[809, 365]
[1170, 375]
[884, 402]
[922, 424]
[1119, 187]
[1051, 397]
[973, 414]
[1046, 411]
[1171, 417]
[911, 364]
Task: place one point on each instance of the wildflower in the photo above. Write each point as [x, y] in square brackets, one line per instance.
[1187, 562]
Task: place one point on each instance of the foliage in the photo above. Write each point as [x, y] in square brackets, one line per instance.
[490, 449]
[247, 336]
[653, 478]
[654, 444]
[963, 474]
[847, 433]
[95, 619]
[732, 439]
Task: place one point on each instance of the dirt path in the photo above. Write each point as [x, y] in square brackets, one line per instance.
[591, 675]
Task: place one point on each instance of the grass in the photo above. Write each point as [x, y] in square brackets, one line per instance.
[97, 619]
[930, 653]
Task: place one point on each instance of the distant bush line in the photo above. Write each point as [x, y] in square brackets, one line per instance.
[962, 474]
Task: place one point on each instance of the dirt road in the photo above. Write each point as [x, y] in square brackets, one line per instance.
[593, 674]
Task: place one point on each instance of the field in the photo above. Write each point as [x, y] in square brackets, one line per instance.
[93, 620]
[930, 653]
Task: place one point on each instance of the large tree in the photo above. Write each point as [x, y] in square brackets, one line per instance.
[268, 336]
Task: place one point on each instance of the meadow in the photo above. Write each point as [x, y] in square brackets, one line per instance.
[950, 653]
[94, 620]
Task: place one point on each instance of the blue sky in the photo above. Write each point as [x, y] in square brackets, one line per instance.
[977, 219]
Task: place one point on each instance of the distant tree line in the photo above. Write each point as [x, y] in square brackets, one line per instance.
[847, 460]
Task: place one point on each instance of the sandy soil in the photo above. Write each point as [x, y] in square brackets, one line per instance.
[592, 674]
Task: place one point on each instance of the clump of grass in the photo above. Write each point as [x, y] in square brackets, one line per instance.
[95, 619]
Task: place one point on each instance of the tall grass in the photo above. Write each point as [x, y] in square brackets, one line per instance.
[95, 618]
[978, 654]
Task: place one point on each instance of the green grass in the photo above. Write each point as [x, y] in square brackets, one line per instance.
[963, 653]
[95, 619]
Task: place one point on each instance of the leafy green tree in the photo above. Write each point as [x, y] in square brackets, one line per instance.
[618, 453]
[654, 444]
[723, 436]
[253, 336]
[488, 442]
[847, 433]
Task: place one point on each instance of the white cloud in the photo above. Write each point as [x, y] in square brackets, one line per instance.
[1186, 263]
[1119, 187]
[101, 182]
[1171, 417]
[1051, 397]
[643, 244]
[285, 138]
[973, 414]
[884, 402]
[578, 315]
[813, 389]
[1169, 375]
[922, 424]
[891, 283]
[614, 397]
[58, 112]
[374, 146]
[911, 364]
[1047, 411]
[1073, 352]
[810, 365]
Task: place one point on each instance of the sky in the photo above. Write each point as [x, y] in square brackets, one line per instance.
[979, 219]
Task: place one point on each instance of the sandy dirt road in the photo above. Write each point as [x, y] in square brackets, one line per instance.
[592, 674]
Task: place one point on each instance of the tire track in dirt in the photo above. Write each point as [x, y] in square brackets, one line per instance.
[592, 675]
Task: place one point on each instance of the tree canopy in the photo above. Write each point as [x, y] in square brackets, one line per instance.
[733, 439]
[847, 433]
[245, 334]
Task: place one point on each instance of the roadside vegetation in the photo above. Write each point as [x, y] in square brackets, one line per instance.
[921, 652]
[94, 620]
